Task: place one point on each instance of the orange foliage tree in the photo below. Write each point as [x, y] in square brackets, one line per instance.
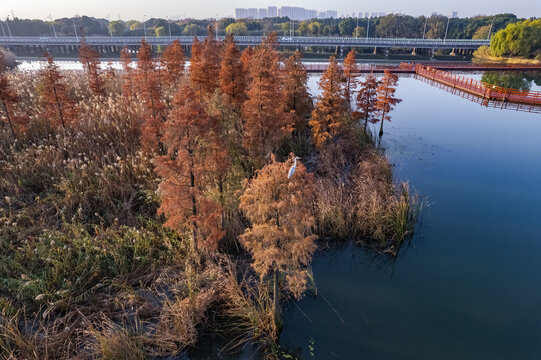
[281, 238]
[298, 99]
[266, 124]
[8, 98]
[56, 105]
[205, 64]
[246, 58]
[173, 61]
[366, 99]
[127, 79]
[386, 97]
[232, 75]
[184, 171]
[91, 64]
[328, 115]
[148, 85]
[351, 73]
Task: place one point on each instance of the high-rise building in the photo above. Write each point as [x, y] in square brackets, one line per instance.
[272, 11]
[292, 12]
[252, 13]
[455, 14]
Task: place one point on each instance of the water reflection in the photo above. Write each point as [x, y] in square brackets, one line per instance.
[513, 80]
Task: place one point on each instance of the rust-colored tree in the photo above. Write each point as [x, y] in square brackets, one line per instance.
[173, 61]
[232, 74]
[205, 64]
[328, 116]
[127, 76]
[8, 99]
[266, 124]
[298, 99]
[366, 99]
[56, 105]
[281, 238]
[351, 74]
[91, 64]
[148, 85]
[184, 171]
[246, 58]
[386, 97]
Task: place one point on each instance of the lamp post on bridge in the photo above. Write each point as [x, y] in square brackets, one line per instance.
[9, 30]
[52, 22]
[490, 31]
[75, 28]
[446, 29]
[145, 26]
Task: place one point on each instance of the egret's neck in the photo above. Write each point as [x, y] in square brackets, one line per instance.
[295, 163]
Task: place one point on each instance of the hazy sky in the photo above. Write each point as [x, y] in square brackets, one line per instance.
[136, 9]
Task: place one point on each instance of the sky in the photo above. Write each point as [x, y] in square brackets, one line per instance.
[137, 9]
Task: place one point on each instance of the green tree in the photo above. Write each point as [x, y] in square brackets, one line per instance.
[236, 29]
[159, 31]
[359, 31]
[481, 32]
[314, 28]
[117, 28]
[346, 26]
[520, 39]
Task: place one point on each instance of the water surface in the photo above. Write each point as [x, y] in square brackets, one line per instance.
[467, 287]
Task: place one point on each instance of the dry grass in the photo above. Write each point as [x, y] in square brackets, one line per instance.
[360, 200]
[483, 54]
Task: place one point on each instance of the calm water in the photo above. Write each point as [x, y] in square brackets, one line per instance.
[468, 285]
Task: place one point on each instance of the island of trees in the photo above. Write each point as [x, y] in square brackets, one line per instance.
[142, 206]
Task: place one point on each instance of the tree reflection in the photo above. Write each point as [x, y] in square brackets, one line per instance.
[516, 80]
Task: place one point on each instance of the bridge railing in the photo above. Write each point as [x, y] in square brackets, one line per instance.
[479, 87]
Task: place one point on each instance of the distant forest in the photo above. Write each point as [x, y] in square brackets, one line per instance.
[390, 26]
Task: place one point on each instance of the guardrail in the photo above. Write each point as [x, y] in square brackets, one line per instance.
[250, 40]
[479, 88]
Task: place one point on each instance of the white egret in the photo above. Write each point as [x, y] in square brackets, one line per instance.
[292, 169]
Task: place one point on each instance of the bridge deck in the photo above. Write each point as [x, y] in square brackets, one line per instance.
[479, 88]
[296, 41]
[409, 68]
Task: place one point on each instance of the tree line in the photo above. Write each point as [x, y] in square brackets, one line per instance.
[389, 26]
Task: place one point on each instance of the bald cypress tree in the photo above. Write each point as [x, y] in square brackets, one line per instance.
[184, 170]
[266, 124]
[281, 236]
[232, 75]
[173, 61]
[57, 107]
[91, 64]
[351, 74]
[328, 116]
[148, 86]
[298, 99]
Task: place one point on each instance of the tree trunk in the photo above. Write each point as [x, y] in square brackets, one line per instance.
[276, 301]
[381, 127]
[9, 119]
[59, 106]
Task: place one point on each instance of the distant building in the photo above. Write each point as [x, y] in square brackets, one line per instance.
[367, 14]
[252, 13]
[272, 11]
[455, 15]
[292, 12]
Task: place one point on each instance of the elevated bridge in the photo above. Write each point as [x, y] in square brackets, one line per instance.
[113, 44]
